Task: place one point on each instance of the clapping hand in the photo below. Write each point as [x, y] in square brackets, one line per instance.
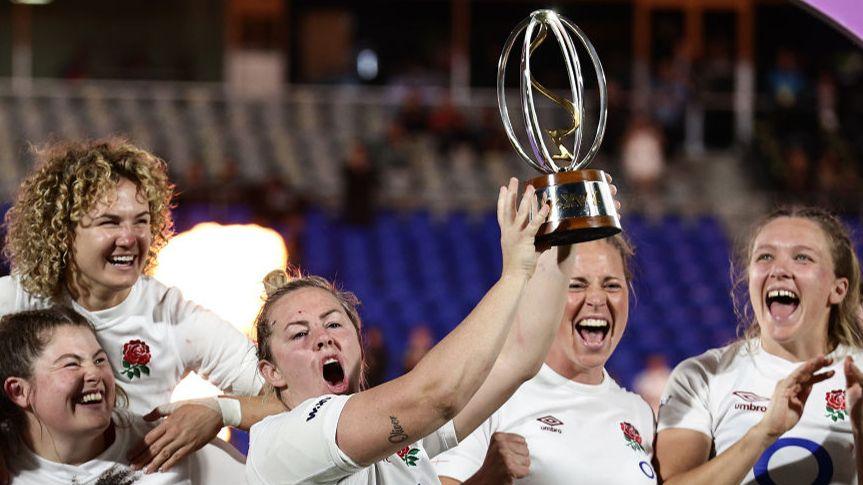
[790, 395]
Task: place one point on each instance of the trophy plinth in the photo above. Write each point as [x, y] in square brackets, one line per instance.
[582, 207]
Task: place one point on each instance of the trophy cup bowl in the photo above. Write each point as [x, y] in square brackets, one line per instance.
[582, 207]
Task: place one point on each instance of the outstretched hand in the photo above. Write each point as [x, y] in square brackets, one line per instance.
[853, 393]
[518, 227]
[187, 427]
[790, 395]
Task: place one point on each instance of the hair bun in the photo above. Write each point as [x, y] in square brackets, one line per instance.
[274, 280]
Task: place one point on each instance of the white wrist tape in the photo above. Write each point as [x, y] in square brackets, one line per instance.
[232, 412]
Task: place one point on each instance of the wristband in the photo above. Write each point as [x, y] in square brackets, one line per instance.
[232, 412]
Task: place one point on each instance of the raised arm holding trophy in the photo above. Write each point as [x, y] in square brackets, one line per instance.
[582, 207]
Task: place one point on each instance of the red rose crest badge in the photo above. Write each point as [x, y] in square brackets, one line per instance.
[836, 405]
[409, 455]
[136, 356]
[633, 438]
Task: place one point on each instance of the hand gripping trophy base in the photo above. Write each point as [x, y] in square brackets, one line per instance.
[582, 208]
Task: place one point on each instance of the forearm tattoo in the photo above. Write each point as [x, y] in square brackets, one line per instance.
[397, 435]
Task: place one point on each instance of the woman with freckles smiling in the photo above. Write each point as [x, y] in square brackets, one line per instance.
[782, 405]
[58, 400]
[84, 231]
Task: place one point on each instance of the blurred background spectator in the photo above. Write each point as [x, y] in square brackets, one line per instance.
[650, 382]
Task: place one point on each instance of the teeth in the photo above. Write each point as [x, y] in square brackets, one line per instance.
[593, 322]
[780, 294]
[92, 397]
[330, 360]
[122, 259]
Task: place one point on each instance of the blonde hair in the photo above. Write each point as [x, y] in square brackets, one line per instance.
[843, 326]
[70, 178]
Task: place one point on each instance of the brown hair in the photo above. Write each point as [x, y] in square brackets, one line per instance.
[69, 180]
[279, 283]
[624, 247]
[843, 327]
[23, 338]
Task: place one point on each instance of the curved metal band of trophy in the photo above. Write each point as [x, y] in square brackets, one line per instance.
[582, 208]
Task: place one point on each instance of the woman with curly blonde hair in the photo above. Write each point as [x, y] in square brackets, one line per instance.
[85, 230]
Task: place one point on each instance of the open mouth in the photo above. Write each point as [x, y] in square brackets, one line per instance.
[781, 303]
[122, 261]
[593, 331]
[90, 398]
[334, 374]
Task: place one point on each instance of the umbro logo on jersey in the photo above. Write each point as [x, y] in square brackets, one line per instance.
[752, 401]
[314, 411]
[550, 423]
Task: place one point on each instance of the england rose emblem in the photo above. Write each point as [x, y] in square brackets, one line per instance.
[409, 455]
[632, 436]
[836, 405]
[136, 356]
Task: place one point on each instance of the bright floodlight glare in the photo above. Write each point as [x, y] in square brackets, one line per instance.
[32, 2]
[367, 64]
[220, 268]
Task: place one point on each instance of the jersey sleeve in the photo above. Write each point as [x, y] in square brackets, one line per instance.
[463, 461]
[8, 295]
[213, 348]
[685, 402]
[299, 446]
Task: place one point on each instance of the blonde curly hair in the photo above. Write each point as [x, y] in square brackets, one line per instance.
[69, 179]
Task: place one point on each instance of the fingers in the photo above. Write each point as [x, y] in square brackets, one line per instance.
[501, 205]
[609, 179]
[852, 373]
[525, 206]
[806, 371]
[160, 411]
[175, 457]
[506, 201]
[161, 450]
[540, 208]
[512, 450]
[511, 197]
[140, 455]
[157, 455]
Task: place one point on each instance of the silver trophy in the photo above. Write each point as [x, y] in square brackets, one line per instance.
[582, 208]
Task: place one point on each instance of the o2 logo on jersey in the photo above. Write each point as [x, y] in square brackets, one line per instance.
[825, 463]
[647, 469]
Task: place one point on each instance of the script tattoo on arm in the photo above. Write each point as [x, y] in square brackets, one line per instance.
[397, 435]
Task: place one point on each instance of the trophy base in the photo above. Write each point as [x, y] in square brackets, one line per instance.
[582, 208]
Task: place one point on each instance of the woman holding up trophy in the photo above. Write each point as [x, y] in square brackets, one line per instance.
[310, 352]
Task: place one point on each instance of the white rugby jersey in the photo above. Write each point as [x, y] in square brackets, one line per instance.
[299, 446]
[724, 392]
[575, 433]
[154, 337]
[31, 469]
